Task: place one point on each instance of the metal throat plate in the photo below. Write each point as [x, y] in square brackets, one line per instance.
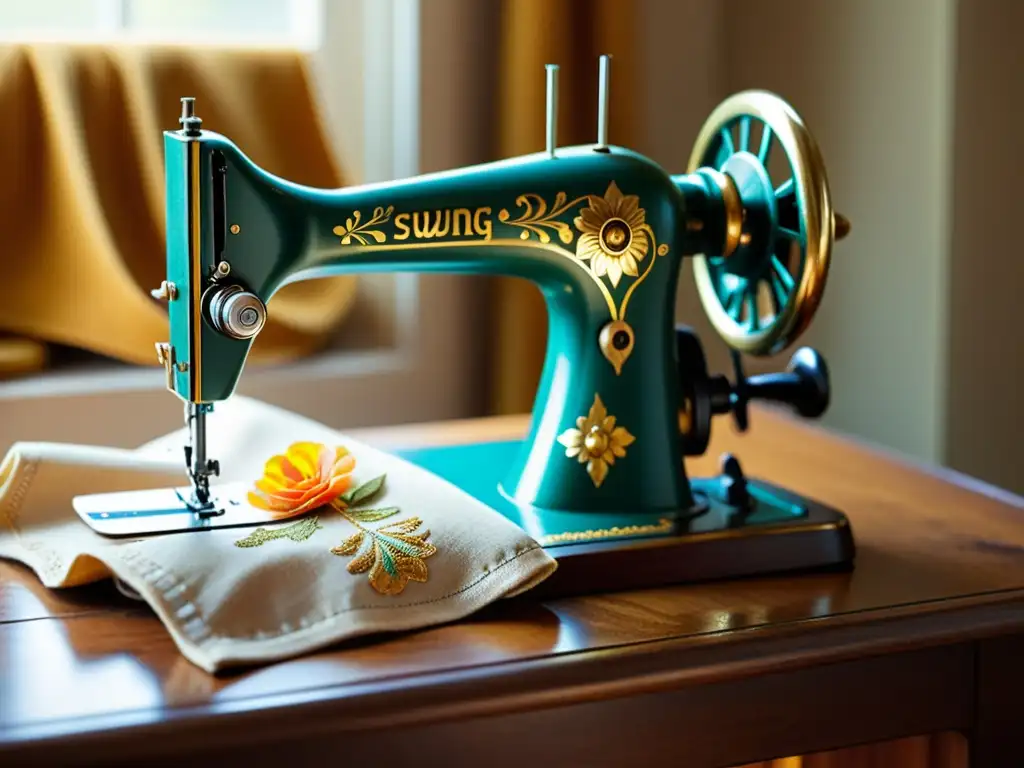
[131, 514]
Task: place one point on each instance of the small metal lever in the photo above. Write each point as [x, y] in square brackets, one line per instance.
[165, 357]
[166, 292]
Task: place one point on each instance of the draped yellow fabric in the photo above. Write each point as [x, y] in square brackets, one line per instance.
[572, 34]
[82, 197]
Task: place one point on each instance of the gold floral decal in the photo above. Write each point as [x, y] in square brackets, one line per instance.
[307, 476]
[614, 241]
[299, 531]
[613, 237]
[534, 219]
[360, 231]
[393, 553]
[596, 441]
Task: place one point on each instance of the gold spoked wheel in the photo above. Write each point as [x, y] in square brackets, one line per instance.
[763, 292]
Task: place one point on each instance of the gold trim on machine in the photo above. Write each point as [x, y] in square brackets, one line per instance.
[613, 234]
[533, 219]
[197, 275]
[614, 238]
[664, 525]
[812, 190]
[596, 441]
[733, 210]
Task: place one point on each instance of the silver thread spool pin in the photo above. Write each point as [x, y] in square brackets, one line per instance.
[552, 113]
[602, 103]
[190, 124]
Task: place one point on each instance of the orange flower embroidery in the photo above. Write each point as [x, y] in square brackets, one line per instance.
[308, 476]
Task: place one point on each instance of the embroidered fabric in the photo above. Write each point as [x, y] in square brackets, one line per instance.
[407, 553]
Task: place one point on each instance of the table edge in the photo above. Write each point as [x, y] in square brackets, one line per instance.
[548, 681]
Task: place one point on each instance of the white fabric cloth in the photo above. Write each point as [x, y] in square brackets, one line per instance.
[225, 605]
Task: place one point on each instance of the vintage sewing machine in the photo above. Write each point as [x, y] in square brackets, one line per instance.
[625, 395]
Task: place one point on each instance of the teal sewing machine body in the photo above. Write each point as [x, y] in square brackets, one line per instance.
[473, 220]
[603, 232]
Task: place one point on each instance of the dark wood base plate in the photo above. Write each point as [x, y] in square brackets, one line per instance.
[821, 540]
[781, 532]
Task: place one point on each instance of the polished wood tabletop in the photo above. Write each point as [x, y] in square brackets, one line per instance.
[923, 636]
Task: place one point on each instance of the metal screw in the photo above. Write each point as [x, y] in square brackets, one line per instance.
[223, 269]
[235, 229]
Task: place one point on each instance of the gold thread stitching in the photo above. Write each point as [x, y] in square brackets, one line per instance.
[391, 555]
[299, 531]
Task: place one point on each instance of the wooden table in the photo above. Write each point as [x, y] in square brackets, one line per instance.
[926, 635]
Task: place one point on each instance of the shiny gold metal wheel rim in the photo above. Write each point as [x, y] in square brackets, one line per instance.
[818, 223]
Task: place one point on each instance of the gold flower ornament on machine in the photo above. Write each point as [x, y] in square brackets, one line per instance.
[596, 441]
[614, 237]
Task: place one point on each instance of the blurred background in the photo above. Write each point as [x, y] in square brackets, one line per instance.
[913, 105]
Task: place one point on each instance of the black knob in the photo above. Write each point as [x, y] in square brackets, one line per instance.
[804, 386]
[733, 483]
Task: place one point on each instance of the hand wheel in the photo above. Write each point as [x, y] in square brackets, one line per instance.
[763, 294]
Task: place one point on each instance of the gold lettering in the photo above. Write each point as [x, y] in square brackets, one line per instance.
[484, 228]
[468, 228]
[427, 230]
[400, 223]
[457, 222]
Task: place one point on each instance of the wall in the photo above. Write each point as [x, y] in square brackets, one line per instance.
[908, 103]
[985, 409]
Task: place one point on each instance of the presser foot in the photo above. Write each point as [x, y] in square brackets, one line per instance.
[168, 510]
[737, 527]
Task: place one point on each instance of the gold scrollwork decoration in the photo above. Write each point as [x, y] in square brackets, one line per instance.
[614, 245]
[537, 216]
[360, 231]
[614, 241]
[596, 441]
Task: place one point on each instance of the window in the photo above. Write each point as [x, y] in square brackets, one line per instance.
[366, 58]
[283, 22]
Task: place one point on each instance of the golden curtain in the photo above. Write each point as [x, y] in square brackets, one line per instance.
[82, 189]
[572, 34]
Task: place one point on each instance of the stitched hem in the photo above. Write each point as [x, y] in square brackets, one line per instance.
[12, 508]
[173, 597]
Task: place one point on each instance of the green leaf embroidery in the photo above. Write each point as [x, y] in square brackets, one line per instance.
[299, 531]
[371, 515]
[364, 492]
